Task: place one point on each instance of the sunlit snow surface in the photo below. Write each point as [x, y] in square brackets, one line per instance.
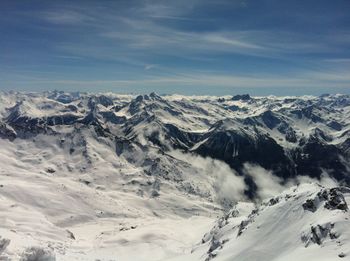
[70, 192]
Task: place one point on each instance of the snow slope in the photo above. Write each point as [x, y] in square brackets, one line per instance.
[91, 214]
[308, 222]
[121, 177]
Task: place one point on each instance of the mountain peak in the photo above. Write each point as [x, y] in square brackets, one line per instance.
[243, 97]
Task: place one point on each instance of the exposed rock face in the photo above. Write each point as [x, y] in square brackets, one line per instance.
[318, 234]
[330, 198]
[243, 97]
[335, 199]
[38, 254]
[291, 136]
[310, 205]
[4, 242]
[7, 132]
[235, 148]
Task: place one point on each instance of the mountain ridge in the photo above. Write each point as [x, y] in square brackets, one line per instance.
[92, 176]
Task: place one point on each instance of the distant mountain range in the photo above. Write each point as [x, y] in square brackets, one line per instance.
[290, 136]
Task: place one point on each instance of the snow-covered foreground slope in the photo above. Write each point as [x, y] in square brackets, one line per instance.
[96, 214]
[119, 177]
[308, 222]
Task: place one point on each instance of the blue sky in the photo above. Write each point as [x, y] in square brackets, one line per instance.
[215, 47]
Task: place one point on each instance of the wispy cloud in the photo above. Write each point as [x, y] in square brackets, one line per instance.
[135, 29]
[66, 17]
[202, 80]
[167, 41]
[338, 60]
[150, 66]
[197, 43]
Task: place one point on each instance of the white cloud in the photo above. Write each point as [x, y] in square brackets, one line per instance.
[228, 185]
[268, 184]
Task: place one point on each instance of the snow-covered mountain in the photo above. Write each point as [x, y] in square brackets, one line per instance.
[124, 177]
[307, 222]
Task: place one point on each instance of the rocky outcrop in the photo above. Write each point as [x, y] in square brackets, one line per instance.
[329, 198]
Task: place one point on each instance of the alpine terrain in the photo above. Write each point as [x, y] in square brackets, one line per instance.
[168, 177]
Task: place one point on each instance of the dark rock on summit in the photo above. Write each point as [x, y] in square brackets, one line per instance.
[243, 97]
